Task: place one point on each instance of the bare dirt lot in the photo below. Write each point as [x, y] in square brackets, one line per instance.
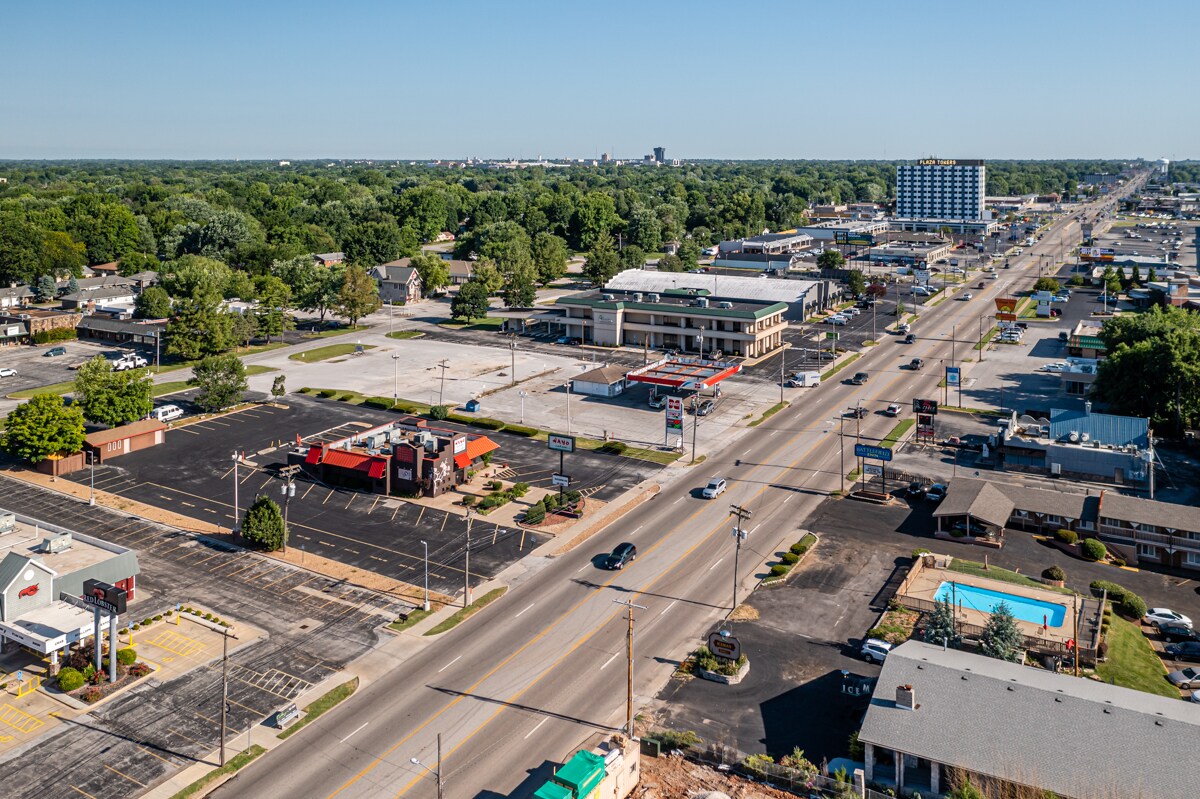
[676, 778]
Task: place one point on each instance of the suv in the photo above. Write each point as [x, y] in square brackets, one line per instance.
[54, 352]
[916, 363]
[860, 378]
[658, 401]
[624, 554]
[875, 650]
[715, 488]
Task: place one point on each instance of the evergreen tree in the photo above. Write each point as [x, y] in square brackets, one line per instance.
[1001, 638]
[45, 289]
[940, 626]
[263, 525]
[278, 388]
[855, 283]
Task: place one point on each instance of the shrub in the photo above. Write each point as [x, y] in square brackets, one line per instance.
[487, 458]
[1066, 536]
[536, 514]
[1118, 561]
[485, 423]
[520, 489]
[349, 395]
[440, 412]
[208, 617]
[69, 679]
[404, 406]
[1126, 602]
[137, 626]
[1132, 606]
[1054, 573]
[550, 501]
[495, 485]
[798, 548]
[378, 402]
[169, 613]
[1094, 549]
[779, 569]
[613, 447]
[92, 695]
[306, 390]
[139, 670]
[123, 631]
[670, 739]
[158, 617]
[468, 500]
[521, 430]
[126, 657]
[57, 334]
[916, 553]
[572, 496]
[326, 393]
[790, 558]
[146, 622]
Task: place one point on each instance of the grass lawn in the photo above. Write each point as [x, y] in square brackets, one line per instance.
[238, 761]
[487, 323]
[1004, 575]
[405, 334]
[988, 336]
[170, 387]
[413, 618]
[53, 388]
[322, 705]
[327, 352]
[259, 369]
[334, 331]
[768, 413]
[1132, 661]
[467, 612]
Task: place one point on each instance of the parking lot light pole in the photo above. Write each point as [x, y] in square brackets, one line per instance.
[568, 387]
[437, 773]
[512, 348]
[523, 394]
[426, 605]
[236, 527]
[467, 564]
[396, 379]
[289, 490]
[92, 466]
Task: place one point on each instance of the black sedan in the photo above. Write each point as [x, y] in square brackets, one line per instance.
[1188, 650]
[1177, 633]
[624, 554]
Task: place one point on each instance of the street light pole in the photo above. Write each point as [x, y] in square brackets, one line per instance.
[512, 347]
[92, 466]
[523, 394]
[467, 564]
[437, 773]
[443, 364]
[236, 527]
[739, 535]
[426, 545]
[396, 379]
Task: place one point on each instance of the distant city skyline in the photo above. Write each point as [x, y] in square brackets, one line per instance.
[372, 80]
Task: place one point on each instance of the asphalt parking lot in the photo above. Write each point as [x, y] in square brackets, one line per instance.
[35, 370]
[193, 474]
[315, 627]
[810, 630]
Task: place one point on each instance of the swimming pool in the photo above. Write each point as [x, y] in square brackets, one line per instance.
[1024, 608]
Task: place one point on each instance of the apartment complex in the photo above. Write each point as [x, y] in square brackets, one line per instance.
[674, 321]
[937, 188]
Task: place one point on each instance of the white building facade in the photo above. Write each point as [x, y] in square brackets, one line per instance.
[939, 188]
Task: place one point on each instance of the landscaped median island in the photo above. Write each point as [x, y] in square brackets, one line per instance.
[322, 705]
[790, 559]
[405, 334]
[329, 351]
[465, 613]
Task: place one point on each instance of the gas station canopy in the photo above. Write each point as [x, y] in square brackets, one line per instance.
[688, 374]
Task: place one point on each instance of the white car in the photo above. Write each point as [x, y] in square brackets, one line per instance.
[715, 488]
[837, 320]
[851, 312]
[966, 296]
[6, 372]
[1159, 616]
[1053, 367]
[875, 651]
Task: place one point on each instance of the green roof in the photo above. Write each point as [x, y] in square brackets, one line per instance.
[552, 790]
[583, 773]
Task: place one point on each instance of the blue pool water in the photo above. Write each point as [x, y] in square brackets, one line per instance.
[983, 599]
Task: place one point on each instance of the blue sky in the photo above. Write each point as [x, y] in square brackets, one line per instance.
[451, 79]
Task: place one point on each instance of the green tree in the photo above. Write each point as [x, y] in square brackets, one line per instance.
[152, 303]
[1135, 277]
[1124, 281]
[940, 626]
[1151, 276]
[221, 380]
[595, 217]
[689, 253]
[549, 257]
[189, 274]
[435, 275]
[1001, 638]
[471, 302]
[60, 254]
[831, 259]
[632, 257]
[42, 427]
[521, 291]
[198, 327]
[45, 289]
[855, 283]
[644, 229]
[1047, 284]
[670, 263]
[112, 398]
[107, 228]
[373, 243]
[359, 295]
[72, 285]
[274, 297]
[242, 328]
[263, 527]
[278, 388]
[602, 261]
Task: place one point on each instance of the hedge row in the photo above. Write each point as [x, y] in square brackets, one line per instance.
[1128, 604]
[57, 334]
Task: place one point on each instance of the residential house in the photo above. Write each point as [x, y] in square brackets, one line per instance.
[460, 271]
[939, 716]
[398, 282]
[329, 258]
[91, 298]
[15, 296]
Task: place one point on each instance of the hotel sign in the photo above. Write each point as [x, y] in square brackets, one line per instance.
[560, 443]
[950, 162]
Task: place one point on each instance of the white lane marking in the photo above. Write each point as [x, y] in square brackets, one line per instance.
[535, 729]
[448, 665]
[752, 529]
[718, 563]
[365, 723]
[668, 607]
[773, 432]
[531, 604]
[581, 568]
[787, 498]
[610, 660]
[676, 502]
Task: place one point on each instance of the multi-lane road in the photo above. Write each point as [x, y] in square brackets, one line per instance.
[513, 691]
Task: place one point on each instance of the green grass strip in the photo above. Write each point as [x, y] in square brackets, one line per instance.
[768, 413]
[1132, 662]
[259, 369]
[335, 331]
[977, 569]
[328, 351]
[322, 705]
[53, 388]
[405, 334]
[414, 618]
[987, 337]
[841, 366]
[902, 427]
[170, 387]
[467, 612]
[238, 761]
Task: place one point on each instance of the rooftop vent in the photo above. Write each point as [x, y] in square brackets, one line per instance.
[725, 304]
[652, 297]
[56, 543]
[608, 297]
[701, 302]
[637, 297]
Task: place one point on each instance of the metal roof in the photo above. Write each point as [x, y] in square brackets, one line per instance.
[756, 289]
[1075, 737]
[691, 374]
[1100, 427]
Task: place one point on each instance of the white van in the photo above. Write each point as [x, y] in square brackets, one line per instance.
[166, 413]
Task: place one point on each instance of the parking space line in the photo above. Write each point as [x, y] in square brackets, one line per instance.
[265, 483]
[373, 504]
[419, 515]
[213, 722]
[81, 791]
[123, 774]
[443, 527]
[253, 710]
[204, 747]
[154, 754]
[311, 486]
[331, 493]
[352, 496]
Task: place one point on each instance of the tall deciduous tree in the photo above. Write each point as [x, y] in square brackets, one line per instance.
[471, 302]
[263, 525]
[602, 261]
[435, 275]
[689, 253]
[198, 327]
[831, 259]
[549, 257]
[632, 257]
[274, 297]
[670, 263]
[112, 398]
[644, 229]
[358, 296]
[221, 380]
[1001, 638]
[152, 303]
[42, 427]
[520, 290]
[855, 283]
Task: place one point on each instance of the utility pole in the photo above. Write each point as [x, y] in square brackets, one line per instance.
[695, 421]
[629, 671]
[224, 687]
[842, 449]
[512, 347]
[467, 564]
[288, 473]
[739, 535]
[443, 364]
[782, 371]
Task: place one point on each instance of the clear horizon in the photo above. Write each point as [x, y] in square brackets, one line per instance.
[306, 81]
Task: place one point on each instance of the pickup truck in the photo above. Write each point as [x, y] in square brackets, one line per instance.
[129, 362]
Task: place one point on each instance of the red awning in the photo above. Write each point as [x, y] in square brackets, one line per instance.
[340, 458]
[462, 460]
[476, 447]
[314, 455]
[377, 469]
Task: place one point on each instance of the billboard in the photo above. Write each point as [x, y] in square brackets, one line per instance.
[1006, 304]
[560, 443]
[104, 596]
[1006, 317]
[925, 426]
[675, 415]
[926, 406]
[1096, 253]
[873, 452]
[873, 470]
[950, 162]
